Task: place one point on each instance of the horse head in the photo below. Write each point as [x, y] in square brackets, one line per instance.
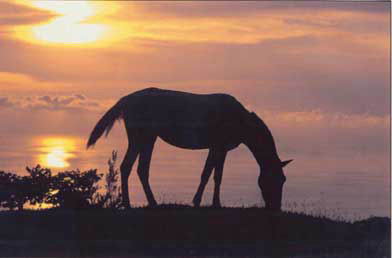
[261, 143]
[271, 181]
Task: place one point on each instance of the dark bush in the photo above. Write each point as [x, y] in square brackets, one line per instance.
[73, 189]
[38, 184]
[13, 190]
[69, 189]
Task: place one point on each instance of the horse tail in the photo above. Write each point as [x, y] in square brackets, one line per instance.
[106, 123]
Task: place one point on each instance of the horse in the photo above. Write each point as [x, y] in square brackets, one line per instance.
[217, 122]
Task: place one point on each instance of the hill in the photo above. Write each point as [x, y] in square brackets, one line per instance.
[179, 230]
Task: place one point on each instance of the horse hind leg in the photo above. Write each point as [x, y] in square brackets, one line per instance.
[126, 168]
[144, 169]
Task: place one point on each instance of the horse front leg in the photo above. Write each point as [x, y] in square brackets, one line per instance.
[218, 178]
[125, 169]
[208, 167]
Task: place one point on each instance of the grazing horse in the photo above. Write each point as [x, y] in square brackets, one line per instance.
[217, 122]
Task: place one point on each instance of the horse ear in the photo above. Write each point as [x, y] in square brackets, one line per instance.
[284, 163]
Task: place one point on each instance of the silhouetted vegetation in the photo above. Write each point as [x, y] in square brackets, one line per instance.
[73, 189]
[12, 190]
[69, 189]
[112, 197]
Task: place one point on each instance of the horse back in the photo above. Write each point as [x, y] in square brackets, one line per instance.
[187, 119]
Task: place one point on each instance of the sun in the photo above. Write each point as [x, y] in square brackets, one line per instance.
[75, 23]
[55, 152]
[71, 25]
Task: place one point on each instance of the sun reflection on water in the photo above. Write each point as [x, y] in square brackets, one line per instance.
[55, 152]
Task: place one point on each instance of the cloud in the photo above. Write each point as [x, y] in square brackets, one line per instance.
[5, 102]
[295, 73]
[316, 118]
[80, 96]
[244, 22]
[20, 82]
[217, 49]
[304, 68]
[315, 133]
[191, 10]
[12, 14]
[74, 102]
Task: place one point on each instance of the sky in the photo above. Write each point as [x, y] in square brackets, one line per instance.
[316, 72]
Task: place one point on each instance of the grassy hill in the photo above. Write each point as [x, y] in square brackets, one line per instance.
[177, 230]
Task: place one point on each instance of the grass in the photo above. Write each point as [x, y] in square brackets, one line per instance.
[180, 230]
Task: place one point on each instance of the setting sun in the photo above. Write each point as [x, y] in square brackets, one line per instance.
[70, 26]
[56, 151]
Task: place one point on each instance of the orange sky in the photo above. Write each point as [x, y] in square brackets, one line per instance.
[318, 73]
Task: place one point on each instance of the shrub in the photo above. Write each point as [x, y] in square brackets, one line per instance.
[13, 190]
[111, 183]
[69, 189]
[112, 196]
[38, 184]
[73, 189]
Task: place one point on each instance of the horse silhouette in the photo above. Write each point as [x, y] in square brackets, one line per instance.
[217, 122]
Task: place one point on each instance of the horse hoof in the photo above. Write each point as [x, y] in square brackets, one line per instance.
[125, 207]
[196, 203]
[153, 205]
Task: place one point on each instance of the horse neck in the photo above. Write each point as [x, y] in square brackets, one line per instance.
[264, 154]
[261, 143]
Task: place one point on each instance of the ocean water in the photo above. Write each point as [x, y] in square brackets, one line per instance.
[352, 187]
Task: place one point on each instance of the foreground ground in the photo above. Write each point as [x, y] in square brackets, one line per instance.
[180, 231]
